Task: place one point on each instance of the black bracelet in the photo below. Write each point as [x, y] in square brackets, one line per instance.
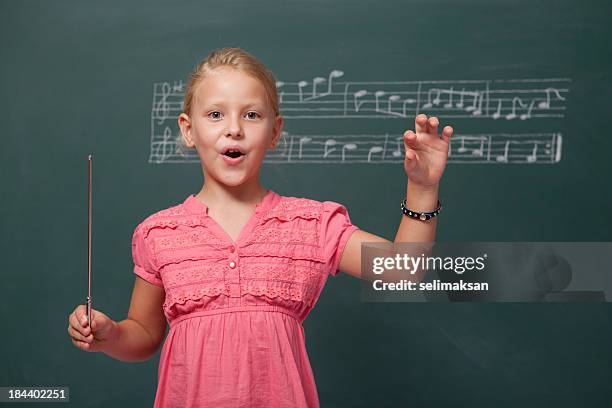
[423, 216]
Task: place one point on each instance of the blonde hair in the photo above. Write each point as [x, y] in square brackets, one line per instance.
[235, 58]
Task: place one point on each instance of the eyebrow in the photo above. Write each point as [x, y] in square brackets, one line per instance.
[245, 105]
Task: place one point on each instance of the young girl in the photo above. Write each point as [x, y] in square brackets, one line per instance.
[236, 268]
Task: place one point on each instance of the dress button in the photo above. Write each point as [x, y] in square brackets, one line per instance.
[232, 264]
[232, 248]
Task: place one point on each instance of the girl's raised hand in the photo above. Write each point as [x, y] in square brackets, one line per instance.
[92, 338]
[426, 151]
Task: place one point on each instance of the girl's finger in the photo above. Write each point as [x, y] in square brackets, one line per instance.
[447, 133]
[420, 123]
[410, 159]
[79, 336]
[410, 139]
[82, 345]
[76, 325]
[81, 314]
[97, 318]
[432, 126]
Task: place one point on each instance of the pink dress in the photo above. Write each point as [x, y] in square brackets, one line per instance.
[236, 309]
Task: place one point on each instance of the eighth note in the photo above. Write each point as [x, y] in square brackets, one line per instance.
[329, 142]
[356, 95]
[374, 149]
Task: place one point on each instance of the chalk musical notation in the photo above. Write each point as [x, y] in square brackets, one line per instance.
[328, 97]
[500, 148]
[167, 105]
[532, 148]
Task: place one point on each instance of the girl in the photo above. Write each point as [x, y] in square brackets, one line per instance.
[236, 268]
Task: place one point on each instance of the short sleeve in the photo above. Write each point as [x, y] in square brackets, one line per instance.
[336, 229]
[143, 262]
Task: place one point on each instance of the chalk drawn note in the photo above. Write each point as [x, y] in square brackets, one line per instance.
[500, 148]
[330, 97]
[529, 148]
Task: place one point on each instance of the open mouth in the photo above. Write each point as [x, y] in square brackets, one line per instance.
[233, 154]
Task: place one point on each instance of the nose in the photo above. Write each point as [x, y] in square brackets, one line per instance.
[234, 128]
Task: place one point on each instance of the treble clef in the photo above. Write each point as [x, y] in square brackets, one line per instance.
[162, 107]
[165, 147]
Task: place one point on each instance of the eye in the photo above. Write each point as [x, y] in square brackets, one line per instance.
[213, 113]
[254, 113]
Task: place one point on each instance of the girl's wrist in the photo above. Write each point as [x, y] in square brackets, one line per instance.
[421, 198]
[423, 188]
[111, 340]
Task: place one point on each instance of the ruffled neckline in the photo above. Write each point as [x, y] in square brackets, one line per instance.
[195, 206]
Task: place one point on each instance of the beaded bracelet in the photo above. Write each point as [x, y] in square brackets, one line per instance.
[423, 216]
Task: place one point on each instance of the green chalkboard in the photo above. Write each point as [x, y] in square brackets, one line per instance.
[100, 77]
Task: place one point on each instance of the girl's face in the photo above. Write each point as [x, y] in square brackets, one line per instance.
[230, 108]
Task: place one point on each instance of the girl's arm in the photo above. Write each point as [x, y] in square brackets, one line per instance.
[426, 154]
[138, 337]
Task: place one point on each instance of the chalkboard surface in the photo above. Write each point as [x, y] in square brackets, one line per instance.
[524, 83]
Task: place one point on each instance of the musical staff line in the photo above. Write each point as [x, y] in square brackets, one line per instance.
[498, 148]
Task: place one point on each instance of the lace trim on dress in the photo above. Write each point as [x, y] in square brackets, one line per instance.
[181, 296]
[195, 273]
[168, 248]
[295, 291]
[294, 251]
[287, 236]
[290, 207]
[282, 272]
[288, 204]
[158, 222]
[304, 214]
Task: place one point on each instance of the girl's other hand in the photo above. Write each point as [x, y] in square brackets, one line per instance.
[93, 338]
[426, 151]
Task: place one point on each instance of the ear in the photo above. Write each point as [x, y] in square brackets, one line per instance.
[277, 131]
[184, 122]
